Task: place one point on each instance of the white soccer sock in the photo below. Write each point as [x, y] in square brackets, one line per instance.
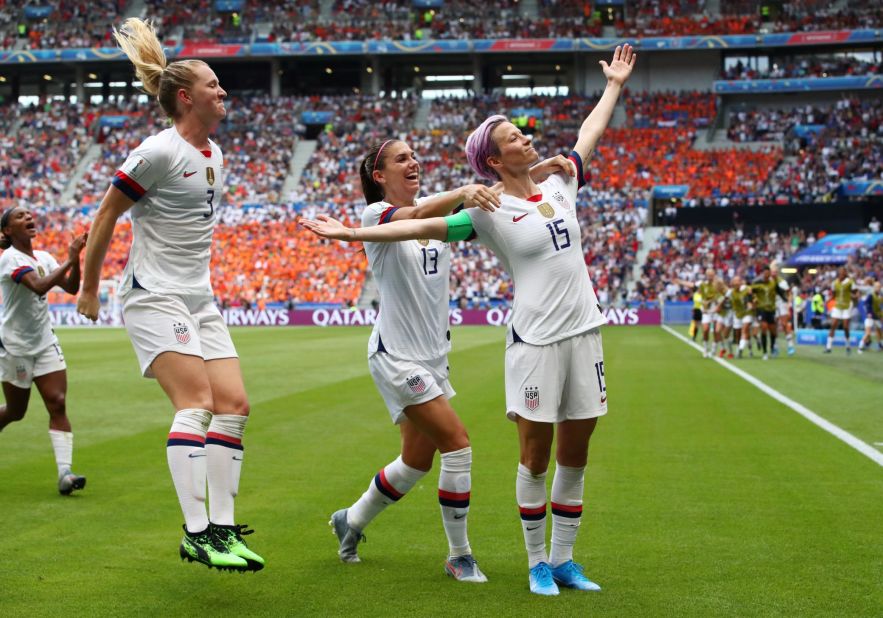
[454, 485]
[63, 445]
[743, 343]
[530, 492]
[829, 343]
[387, 487]
[223, 455]
[186, 455]
[567, 509]
[713, 347]
[789, 337]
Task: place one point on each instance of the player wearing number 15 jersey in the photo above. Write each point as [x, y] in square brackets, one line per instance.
[172, 183]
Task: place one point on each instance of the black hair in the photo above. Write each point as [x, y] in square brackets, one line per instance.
[373, 161]
[5, 241]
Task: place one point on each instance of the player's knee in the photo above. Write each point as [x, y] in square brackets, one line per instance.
[56, 403]
[238, 406]
[537, 463]
[16, 413]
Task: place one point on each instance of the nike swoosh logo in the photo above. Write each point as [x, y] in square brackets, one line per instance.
[460, 516]
[519, 218]
[188, 174]
[237, 458]
[604, 400]
[195, 455]
[534, 528]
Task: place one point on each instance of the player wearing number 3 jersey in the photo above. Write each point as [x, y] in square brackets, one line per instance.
[554, 359]
[172, 183]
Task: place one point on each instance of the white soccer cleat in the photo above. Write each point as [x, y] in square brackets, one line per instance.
[68, 482]
[464, 569]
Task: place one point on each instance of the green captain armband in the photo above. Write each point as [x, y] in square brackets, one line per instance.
[459, 227]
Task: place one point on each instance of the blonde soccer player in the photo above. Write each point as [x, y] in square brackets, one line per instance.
[555, 377]
[172, 184]
[29, 350]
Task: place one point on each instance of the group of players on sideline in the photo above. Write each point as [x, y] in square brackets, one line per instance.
[741, 315]
[171, 183]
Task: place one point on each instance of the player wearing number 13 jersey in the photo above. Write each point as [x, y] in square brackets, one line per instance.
[554, 358]
[172, 183]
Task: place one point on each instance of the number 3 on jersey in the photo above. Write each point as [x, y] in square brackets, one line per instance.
[430, 261]
[210, 202]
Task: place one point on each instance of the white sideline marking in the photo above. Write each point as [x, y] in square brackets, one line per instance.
[812, 417]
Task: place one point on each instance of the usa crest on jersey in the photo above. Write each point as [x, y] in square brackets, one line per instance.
[416, 384]
[182, 332]
[531, 397]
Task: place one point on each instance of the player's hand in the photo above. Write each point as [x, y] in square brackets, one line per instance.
[76, 247]
[480, 196]
[620, 68]
[327, 227]
[558, 164]
[88, 305]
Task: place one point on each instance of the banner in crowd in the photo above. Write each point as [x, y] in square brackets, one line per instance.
[321, 48]
[834, 249]
[67, 315]
[798, 84]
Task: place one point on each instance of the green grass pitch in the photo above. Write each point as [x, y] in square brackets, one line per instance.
[704, 497]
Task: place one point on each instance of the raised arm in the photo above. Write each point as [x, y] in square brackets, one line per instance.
[407, 229]
[617, 72]
[114, 204]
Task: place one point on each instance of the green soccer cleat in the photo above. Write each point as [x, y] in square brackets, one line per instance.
[203, 547]
[230, 538]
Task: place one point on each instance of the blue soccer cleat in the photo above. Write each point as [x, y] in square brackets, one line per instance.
[791, 350]
[541, 581]
[570, 575]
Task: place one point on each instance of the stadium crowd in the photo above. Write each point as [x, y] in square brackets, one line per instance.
[815, 66]
[74, 23]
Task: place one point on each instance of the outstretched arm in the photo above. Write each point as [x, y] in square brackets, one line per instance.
[408, 229]
[470, 196]
[617, 72]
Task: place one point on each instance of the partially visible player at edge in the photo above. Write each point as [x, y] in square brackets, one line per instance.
[842, 313]
[554, 357]
[29, 350]
[174, 180]
[873, 302]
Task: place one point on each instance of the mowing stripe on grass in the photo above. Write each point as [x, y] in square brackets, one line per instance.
[812, 417]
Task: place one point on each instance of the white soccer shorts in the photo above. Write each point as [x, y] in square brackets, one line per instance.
[841, 314]
[708, 317]
[20, 371]
[872, 323]
[556, 382]
[724, 318]
[159, 323]
[745, 319]
[783, 309]
[404, 383]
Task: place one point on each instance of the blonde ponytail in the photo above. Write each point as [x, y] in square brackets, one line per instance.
[139, 42]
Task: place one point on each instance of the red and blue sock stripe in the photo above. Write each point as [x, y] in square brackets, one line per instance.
[221, 439]
[177, 438]
[453, 499]
[385, 487]
[574, 511]
[532, 513]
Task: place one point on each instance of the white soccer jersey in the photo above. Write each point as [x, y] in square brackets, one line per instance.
[539, 242]
[413, 277]
[177, 189]
[26, 329]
